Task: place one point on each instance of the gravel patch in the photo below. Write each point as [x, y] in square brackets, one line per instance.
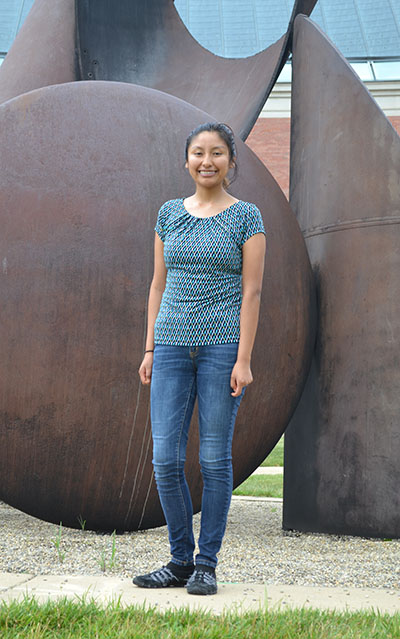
[255, 550]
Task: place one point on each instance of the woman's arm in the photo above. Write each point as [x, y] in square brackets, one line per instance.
[155, 294]
[253, 253]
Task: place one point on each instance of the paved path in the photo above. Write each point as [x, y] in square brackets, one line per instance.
[236, 597]
[269, 470]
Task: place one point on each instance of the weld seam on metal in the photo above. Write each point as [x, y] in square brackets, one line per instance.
[355, 224]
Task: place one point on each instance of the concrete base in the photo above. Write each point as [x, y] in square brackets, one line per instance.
[237, 598]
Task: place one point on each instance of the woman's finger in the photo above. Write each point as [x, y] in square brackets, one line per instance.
[237, 387]
[145, 374]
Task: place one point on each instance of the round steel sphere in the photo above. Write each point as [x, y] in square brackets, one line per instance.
[84, 168]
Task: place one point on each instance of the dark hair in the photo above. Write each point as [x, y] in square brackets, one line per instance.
[225, 133]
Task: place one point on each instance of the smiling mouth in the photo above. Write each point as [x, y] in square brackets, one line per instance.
[207, 172]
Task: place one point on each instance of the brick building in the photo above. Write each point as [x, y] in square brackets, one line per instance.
[270, 137]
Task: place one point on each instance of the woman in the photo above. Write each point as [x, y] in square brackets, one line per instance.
[202, 318]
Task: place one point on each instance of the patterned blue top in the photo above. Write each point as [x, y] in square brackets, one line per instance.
[203, 256]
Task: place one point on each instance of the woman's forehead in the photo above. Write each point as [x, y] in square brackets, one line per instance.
[208, 138]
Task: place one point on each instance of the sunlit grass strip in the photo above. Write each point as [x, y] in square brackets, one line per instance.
[65, 619]
[275, 458]
[261, 486]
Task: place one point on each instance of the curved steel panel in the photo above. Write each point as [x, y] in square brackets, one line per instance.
[98, 159]
[148, 44]
[43, 52]
[342, 472]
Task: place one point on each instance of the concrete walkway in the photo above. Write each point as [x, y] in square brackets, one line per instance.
[269, 470]
[235, 597]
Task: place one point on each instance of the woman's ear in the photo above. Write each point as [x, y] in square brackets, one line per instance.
[186, 165]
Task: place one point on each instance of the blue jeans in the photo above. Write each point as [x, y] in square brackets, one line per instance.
[179, 375]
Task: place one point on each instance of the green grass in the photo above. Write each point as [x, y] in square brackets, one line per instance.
[265, 485]
[261, 486]
[64, 619]
[275, 458]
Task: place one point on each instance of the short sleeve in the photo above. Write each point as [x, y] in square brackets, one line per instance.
[161, 222]
[252, 223]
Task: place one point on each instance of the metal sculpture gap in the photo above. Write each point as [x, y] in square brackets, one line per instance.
[148, 44]
[342, 448]
[145, 44]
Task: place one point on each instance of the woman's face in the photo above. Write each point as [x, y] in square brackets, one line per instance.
[208, 159]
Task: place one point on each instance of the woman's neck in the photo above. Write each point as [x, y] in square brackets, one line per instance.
[210, 196]
[207, 202]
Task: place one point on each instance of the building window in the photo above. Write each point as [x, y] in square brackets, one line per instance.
[386, 69]
[363, 70]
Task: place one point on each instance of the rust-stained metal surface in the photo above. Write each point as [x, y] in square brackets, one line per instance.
[43, 52]
[148, 44]
[342, 448]
[84, 168]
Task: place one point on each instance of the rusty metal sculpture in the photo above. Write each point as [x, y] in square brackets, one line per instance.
[342, 472]
[79, 194]
[75, 437]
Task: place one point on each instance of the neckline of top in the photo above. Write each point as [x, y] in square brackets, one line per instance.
[207, 217]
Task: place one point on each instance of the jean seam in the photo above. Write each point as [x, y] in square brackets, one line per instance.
[177, 461]
[201, 557]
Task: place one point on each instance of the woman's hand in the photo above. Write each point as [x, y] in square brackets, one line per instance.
[146, 368]
[241, 377]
